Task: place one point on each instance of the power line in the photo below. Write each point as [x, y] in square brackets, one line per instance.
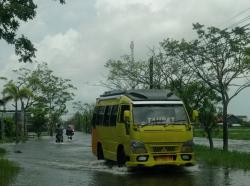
[238, 14]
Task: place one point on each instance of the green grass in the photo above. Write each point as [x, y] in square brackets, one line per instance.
[234, 133]
[8, 170]
[218, 157]
[2, 152]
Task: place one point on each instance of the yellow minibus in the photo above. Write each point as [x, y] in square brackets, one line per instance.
[142, 128]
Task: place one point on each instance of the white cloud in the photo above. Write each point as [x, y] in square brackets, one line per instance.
[77, 39]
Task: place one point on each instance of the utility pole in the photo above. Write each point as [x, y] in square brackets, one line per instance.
[132, 46]
[132, 51]
[151, 73]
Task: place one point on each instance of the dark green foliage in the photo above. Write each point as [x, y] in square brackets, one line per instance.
[12, 12]
[25, 49]
[9, 127]
[2, 152]
[38, 118]
[217, 58]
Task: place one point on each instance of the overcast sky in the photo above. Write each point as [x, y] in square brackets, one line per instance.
[76, 39]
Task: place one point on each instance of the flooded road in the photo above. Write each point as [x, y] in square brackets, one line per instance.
[45, 163]
[238, 145]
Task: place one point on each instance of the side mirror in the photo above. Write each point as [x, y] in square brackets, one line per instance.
[195, 115]
[126, 116]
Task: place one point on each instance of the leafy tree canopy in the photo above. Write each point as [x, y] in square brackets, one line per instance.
[12, 12]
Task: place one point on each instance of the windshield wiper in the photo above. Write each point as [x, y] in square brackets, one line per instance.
[151, 124]
[181, 122]
[164, 123]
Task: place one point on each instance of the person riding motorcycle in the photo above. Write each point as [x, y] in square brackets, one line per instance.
[70, 132]
[59, 134]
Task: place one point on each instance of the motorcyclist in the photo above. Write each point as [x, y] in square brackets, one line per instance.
[59, 134]
[69, 132]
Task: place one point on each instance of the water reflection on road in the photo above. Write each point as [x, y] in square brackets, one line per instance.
[45, 163]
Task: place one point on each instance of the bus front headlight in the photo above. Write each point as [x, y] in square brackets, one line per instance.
[138, 147]
[187, 146]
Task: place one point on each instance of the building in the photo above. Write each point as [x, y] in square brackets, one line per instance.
[233, 120]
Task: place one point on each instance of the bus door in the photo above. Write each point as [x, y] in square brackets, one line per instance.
[123, 127]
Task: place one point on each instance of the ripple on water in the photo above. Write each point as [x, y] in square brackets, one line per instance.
[95, 165]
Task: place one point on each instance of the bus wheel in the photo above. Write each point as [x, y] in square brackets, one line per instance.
[100, 155]
[121, 158]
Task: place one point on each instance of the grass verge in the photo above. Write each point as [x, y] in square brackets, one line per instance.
[2, 152]
[218, 157]
[8, 170]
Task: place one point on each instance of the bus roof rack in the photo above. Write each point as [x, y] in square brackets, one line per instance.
[144, 94]
[113, 93]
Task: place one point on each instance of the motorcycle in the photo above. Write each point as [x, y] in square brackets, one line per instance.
[59, 138]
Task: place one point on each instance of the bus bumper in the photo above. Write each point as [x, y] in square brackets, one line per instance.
[186, 159]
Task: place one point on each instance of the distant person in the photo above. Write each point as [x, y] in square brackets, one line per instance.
[59, 134]
[70, 132]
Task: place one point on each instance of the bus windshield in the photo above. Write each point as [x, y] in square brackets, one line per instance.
[151, 114]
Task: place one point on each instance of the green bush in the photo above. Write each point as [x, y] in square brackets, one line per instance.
[2, 151]
[8, 171]
[9, 127]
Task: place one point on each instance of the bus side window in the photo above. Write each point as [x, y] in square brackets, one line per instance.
[101, 115]
[106, 116]
[113, 115]
[123, 108]
[94, 118]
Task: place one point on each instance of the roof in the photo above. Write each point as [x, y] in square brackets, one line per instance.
[144, 94]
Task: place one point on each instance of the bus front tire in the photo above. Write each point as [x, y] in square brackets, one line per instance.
[121, 157]
[100, 155]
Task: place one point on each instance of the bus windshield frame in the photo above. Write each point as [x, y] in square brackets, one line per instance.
[159, 114]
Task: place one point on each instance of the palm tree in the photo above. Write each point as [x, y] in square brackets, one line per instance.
[16, 94]
[24, 93]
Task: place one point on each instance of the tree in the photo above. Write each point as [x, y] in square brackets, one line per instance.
[219, 58]
[83, 116]
[169, 72]
[3, 102]
[48, 91]
[38, 117]
[208, 119]
[126, 74]
[11, 14]
[53, 91]
[16, 93]
[11, 90]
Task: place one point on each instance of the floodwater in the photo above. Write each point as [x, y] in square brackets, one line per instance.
[46, 163]
[238, 145]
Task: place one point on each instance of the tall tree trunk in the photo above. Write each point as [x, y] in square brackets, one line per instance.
[22, 120]
[16, 123]
[151, 73]
[225, 126]
[2, 126]
[210, 139]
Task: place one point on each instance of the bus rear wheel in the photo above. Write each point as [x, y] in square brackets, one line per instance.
[121, 157]
[100, 155]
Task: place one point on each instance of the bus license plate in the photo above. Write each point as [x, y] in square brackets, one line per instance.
[164, 158]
